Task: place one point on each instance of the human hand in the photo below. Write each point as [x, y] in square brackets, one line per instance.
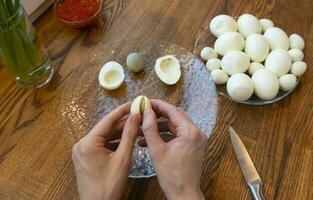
[102, 171]
[178, 162]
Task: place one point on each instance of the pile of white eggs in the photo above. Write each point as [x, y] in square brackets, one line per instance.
[253, 56]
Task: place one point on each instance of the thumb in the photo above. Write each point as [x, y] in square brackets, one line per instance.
[150, 131]
[129, 136]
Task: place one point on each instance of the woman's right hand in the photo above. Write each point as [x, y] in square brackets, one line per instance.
[178, 162]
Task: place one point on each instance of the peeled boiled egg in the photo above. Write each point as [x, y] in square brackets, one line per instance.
[208, 53]
[135, 62]
[266, 23]
[278, 62]
[240, 87]
[266, 84]
[296, 55]
[230, 41]
[255, 66]
[213, 63]
[235, 62]
[248, 24]
[277, 38]
[298, 68]
[168, 69]
[222, 24]
[139, 105]
[111, 75]
[296, 41]
[287, 82]
[257, 47]
[219, 76]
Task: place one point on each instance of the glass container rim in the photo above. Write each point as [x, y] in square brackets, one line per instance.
[79, 21]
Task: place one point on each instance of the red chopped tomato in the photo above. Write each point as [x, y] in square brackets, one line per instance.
[77, 10]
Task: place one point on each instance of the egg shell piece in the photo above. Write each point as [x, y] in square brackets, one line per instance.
[257, 47]
[296, 55]
[266, 23]
[287, 82]
[235, 62]
[277, 38]
[249, 24]
[240, 87]
[298, 68]
[219, 76]
[213, 63]
[230, 41]
[111, 75]
[168, 69]
[255, 66]
[296, 41]
[222, 24]
[208, 53]
[266, 84]
[279, 62]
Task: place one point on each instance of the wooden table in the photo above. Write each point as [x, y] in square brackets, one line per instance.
[35, 156]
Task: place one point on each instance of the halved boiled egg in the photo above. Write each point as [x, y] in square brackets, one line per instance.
[168, 69]
[140, 104]
[111, 75]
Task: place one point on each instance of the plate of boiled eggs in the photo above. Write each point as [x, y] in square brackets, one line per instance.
[250, 60]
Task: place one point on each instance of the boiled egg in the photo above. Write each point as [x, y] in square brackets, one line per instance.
[287, 82]
[222, 24]
[240, 87]
[230, 41]
[168, 69]
[298, 68]
[277, 38]
[257, 47]
[296, 41]
[235, 62]
[266, 23]
[278, 62]
[111, 76]
[266, 84]
[249, 24]
[219, 76]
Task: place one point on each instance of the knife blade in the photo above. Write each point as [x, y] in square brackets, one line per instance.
[247, 167]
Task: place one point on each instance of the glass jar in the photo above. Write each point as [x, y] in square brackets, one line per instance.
[22, 53]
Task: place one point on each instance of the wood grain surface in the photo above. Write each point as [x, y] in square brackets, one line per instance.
[35, 155]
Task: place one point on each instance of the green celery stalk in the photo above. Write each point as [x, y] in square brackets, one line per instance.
[3, 11]
[7, 55]
[19, 52]
[10, 6]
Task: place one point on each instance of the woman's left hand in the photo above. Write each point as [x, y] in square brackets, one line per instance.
[102, 166]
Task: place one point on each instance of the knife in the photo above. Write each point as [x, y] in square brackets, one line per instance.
[247, 167]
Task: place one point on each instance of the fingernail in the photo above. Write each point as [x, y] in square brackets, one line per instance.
[136, 118]
[133, 117]
[148, 111]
